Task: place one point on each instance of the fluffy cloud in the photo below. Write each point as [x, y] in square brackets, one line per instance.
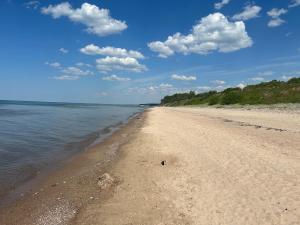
[276, 22]
[162, 48]
[250, 12]
[219, 5]
[218, 82]
[69, 73]
[114, 63]
[98, 21]
[74, 71]
[54, 64]
[63, 50]
[294, 3]
[115, 78]
[275, 15]
[183, 77]
[212, 33]
[92, 49]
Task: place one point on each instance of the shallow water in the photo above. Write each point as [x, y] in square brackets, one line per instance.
[36, 135]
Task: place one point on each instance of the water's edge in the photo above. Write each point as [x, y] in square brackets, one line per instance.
[13, 195]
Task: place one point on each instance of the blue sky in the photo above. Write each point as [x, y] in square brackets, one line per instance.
[137, 51]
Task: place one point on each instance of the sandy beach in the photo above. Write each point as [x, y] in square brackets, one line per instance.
[184, 166]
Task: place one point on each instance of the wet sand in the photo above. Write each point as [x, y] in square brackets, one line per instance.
[220, 166]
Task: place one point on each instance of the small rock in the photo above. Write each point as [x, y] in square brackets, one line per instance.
[105, 181]
[163, 163]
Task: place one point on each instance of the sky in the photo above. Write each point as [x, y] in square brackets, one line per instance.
[137, 51]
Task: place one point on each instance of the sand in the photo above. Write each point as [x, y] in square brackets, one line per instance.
[221, 166]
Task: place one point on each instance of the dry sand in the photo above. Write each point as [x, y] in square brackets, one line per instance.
[222, 166]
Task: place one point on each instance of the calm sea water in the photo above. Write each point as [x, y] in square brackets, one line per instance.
[34, 135]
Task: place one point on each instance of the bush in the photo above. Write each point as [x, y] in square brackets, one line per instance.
[271, 92]
[231, 96]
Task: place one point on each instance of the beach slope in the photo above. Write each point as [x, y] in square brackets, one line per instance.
[221, 166]
[184, 166]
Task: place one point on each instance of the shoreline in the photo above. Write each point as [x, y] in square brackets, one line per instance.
[178, 166]
[8, 197]
[105, 148]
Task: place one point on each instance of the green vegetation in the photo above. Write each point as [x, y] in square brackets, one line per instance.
[264, 93]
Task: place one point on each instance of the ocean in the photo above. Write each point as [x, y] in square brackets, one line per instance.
[37, 135]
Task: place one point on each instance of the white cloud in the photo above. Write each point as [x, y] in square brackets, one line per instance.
[218, 82]
[54, 64]
[163, 85]
[81, 64]
[115, 78]
[294, 3]
[183, 77]
[286, 78]
[203, 88]
[32, 4]
[276, 22]
[275, 15]
[220, 88]
[250, 12]
[241, 85]
[114, 63]
[257, 78]
[162, 48]
[162, 88]
[92, 49]
[220, 5]
[211, 33]
[97, 20]
[69, 73]
[76, 71]
[66, 77]
[63, 50]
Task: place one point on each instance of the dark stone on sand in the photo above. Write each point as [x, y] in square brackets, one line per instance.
[163, 163]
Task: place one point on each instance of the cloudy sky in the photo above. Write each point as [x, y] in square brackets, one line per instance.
[136, 51]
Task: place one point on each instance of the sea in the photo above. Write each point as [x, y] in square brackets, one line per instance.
[34, 136]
